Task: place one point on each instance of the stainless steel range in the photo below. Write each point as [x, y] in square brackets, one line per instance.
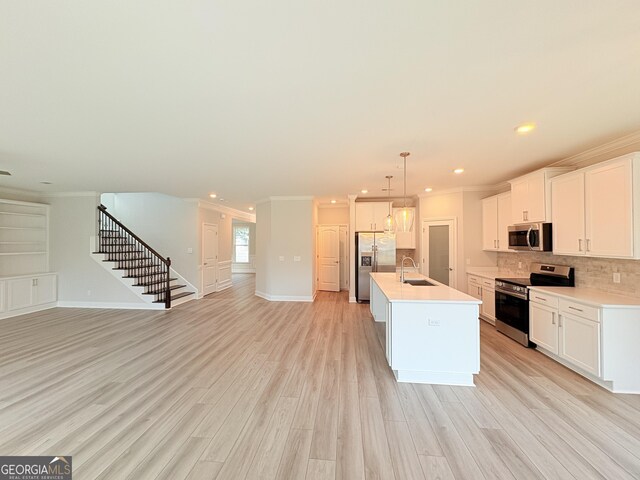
[512, 298]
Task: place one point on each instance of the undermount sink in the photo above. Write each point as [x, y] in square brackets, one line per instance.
[420, 283]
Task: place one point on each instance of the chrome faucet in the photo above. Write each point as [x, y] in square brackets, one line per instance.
[404, 257]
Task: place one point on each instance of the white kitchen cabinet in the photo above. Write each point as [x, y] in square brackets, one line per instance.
[596, 333]
[490, 223]
[483, 289]
[496, 218]
[593, 210]
[27, 293]
[370, 216]
[567, 210]
[543, 326]
[474, 287]
[531, 196]
[407, 240]
[579, 342]
[504, 220]
[488, 307]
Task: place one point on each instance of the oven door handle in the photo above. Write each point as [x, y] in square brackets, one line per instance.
[529, 238]
[512, 294]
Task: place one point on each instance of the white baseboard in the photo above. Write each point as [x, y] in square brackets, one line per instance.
[114, 305]
[352, 299]
[224, 285]
[24, 311]
[285, 298]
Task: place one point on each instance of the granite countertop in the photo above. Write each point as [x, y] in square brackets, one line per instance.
[591, 296]
[395, 291]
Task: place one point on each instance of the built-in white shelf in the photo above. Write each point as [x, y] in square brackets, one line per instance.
[24, 237]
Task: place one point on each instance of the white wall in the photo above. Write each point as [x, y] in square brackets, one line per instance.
[330, 215]
[80, 279]
[285, 228]
[466, 208]
[168, 224]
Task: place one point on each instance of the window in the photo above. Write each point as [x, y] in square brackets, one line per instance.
[241, 244]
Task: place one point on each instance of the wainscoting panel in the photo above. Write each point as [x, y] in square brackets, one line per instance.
[224, 275]
[245, 267]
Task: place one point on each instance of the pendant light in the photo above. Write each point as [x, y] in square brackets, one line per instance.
[389, 224]
[404, 216]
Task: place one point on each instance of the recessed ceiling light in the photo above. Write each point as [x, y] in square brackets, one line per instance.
[221, 199]
[364, 190]
[333, 201]
[213, 195]
[525, 128]
[251, 208]
[428, 189]
[458, 170]
[4, 172]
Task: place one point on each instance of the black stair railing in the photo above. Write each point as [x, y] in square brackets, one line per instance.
[133, 255]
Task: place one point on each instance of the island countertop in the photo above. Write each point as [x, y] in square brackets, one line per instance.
[395, 291]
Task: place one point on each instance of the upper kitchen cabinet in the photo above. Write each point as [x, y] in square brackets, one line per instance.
[496, 218]
[407, 239]
[596, 209]
[530, 196]
[370, 216]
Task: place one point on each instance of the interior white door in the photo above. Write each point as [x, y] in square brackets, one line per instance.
[344, 257]
[209, 258]
[439, 250]
[329, 258]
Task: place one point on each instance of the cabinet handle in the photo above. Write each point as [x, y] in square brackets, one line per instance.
[498, 243]
[34, 282]
[494, 244]
[579, 244]
[540, 298]
[524, 217]
[588, 245]
[576, 309]
[553, 318]
[559, 321]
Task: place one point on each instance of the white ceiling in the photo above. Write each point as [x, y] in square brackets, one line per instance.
[257, 98]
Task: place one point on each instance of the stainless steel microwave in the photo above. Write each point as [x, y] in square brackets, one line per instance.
[531, 236]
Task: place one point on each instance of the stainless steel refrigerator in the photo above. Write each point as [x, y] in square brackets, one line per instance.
[375, 252]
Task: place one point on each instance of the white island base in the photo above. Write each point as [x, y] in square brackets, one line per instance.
[432, 332]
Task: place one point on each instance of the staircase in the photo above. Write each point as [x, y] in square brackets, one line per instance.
[139, 264]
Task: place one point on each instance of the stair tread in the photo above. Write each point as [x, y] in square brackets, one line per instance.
[175, 297]
[148, 284]
[156, 292]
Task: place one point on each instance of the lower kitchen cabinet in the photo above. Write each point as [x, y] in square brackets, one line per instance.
[597, 340]
[483, 289]
[543, 326]
[579, 342]
[27, 293]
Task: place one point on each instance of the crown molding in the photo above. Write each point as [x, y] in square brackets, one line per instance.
[333, 205]
[20, 191]
[475, 188]
[612, 147]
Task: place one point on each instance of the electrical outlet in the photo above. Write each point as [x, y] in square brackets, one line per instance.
[88, 293]
[296, 258]
[616, 277]
[519, 264]
[434, 322]
[281, 258]
[468, 261]
[189, 250]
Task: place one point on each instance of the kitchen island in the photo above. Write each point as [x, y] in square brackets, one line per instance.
[432, 332]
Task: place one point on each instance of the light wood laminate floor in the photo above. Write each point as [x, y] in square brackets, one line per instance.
[234, 387]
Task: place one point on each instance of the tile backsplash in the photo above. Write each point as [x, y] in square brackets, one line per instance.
[408, 252]
[590, 272]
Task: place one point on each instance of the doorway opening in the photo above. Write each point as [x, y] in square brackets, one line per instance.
[439, 250]
[332, 257]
